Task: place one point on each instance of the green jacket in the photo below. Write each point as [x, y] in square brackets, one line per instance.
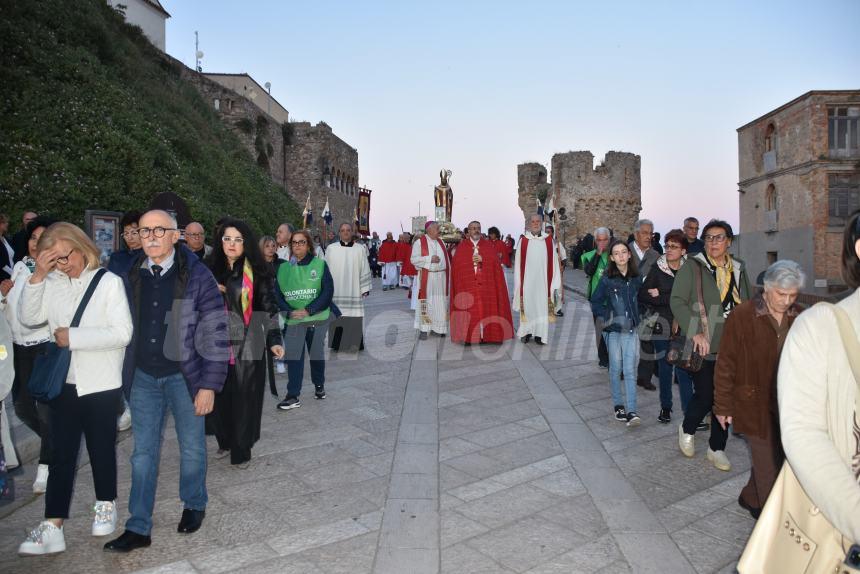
[684, 299]
[594, 268]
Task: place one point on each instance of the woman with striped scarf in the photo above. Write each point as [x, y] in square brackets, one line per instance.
[247, 284]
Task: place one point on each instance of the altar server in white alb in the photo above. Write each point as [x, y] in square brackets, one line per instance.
[433, 263]
[350, 271]
[537, 283]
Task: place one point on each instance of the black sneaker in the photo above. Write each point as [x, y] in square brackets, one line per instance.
[620, 413]
[633, 419]
[319, 393]
[665, 416]
[703, 426]
[289, 403]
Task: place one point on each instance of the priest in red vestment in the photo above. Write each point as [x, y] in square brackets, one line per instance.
[480, 306]
[501, 246]
[388, 259]
[404, 256]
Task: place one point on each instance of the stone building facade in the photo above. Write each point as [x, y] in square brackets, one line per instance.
[322, 164]
[302, 158]
[799, 179]
[608, 195]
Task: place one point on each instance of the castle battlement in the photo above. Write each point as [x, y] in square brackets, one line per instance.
[606, 195]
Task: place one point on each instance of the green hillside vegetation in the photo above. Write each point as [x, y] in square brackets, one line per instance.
[93, 117]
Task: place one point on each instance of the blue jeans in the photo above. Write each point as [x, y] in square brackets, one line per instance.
[667, 373]
[296, 339]
[685, 387]
[623, 351]
[150, 398]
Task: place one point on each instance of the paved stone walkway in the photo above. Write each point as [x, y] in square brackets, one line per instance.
[432, 457]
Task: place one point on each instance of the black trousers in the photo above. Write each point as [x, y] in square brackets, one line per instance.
[346, 334]
[647, 365]
[94, 416]
[36, 415]
[702, 403]
[238, 413]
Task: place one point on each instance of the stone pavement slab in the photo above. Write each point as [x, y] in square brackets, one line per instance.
[434, 457]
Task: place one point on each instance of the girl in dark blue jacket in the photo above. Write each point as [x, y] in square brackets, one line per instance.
[615, 300]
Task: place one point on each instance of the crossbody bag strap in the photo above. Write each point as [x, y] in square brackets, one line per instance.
[87, 296]
[703, 315]
[850, 341]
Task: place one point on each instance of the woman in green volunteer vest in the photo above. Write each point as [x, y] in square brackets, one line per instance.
[305, 290]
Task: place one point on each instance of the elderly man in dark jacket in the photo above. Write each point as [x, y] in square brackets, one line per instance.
[646, 258]
[177, 358]
[745, 376]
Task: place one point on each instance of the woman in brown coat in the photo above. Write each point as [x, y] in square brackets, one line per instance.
[745, 375]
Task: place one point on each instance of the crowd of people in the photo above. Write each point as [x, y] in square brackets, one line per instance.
[176, 323]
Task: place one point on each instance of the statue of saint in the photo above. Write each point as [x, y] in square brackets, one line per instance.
[443, 195]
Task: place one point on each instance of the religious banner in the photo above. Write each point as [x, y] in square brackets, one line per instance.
[418, 224]
[363, 225]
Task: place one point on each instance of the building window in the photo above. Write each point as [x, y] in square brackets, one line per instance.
[217, 104]
[843, 129]
[843, 197]
[772, 258]
[771, 198]
[769, 137]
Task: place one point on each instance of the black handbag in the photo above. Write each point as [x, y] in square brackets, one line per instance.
[682, 352]
[51, 366]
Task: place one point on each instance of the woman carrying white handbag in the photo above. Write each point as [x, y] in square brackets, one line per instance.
[811, 521]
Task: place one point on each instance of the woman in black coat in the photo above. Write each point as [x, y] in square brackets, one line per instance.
[247, 284]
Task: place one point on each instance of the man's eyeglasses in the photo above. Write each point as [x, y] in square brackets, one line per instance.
[156, 231]
[299, 242]
[714, 238]
[65, 259]
[194, 235]
[234, 240]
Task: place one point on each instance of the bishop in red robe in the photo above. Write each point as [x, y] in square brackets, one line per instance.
[480, 306]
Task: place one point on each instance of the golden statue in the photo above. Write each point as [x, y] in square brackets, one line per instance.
[443, 197]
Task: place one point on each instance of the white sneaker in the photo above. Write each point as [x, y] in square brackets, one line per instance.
[686, 442]
[279, 366]
[40, 485]
[44, 539]
[720, 460]
[123, 423]
[104, 522]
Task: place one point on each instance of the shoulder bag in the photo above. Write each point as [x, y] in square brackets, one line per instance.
[792, 535]
[51, 366]
[682, 353]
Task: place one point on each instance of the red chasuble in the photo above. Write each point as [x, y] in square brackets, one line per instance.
[503, 250]
[404, 256]
[388, 252]
[479, 297]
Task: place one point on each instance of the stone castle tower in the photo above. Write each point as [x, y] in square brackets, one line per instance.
[609, 195]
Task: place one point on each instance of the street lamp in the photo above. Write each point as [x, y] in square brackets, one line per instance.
[269, 101]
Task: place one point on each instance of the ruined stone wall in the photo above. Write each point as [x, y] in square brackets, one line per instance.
[316, 151]
[531, 178]
[317, 161]
[608, 195]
